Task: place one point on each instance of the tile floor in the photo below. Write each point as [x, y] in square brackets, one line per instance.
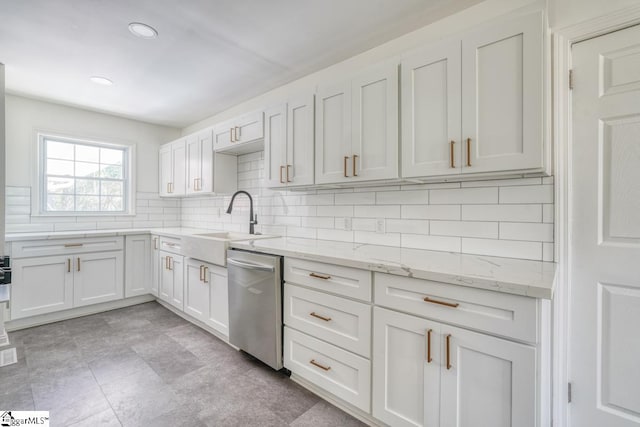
[145, 366]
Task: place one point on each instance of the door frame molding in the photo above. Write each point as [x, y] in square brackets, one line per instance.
[562, 40]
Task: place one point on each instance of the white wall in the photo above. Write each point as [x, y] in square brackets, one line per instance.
[567, 12]
[24, 117]
[454, 24]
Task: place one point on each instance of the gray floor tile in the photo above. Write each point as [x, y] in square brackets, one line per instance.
[325, 414]
[119, 363]
[16, 396]
[168, 358]
[106, 418]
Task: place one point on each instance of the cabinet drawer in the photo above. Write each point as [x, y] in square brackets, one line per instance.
[497, 313]
[171, 244]
[34, 248]
[337, 371]
[347, 281]
[340, 321]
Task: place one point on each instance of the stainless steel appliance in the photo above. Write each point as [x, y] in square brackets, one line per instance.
[255, 305]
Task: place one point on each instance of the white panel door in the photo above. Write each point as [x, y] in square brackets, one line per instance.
[486, 381]
[431, 111]
[179, 160]
[194, 172]
[166, 277]
[41, 285]
[406, 369]
[374, 143]
[222, 135]
[205, 144]
[218, 298]
[138, 261]
[176, 265]
[166, 170]
[605, 229]
[249, 127]
[196, 291]
[300, 141]
[333, 134]
[98, 277]
[502, 106]
[275, 146]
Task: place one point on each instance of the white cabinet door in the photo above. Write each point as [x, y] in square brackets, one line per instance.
[431, 111]
[218, 298]
[166, 277]
[333, 133]
[275, 146]
[98, 277]
[138, 264]
[179, 159]
[502, 68]
[41, 285]
[222, 135]
[374, 142]
[300, 141]
[166, 170]
[196, 290]
[176, 266]
[487, 381]
[406, 369]
[155, 265]
[199, 156]
[194, 169]
[249, 127]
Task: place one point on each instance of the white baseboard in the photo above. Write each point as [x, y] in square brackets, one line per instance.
[42, 319]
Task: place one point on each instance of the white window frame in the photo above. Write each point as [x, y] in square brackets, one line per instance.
[38, 199]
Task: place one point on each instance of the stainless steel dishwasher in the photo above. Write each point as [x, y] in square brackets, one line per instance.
[255, 305]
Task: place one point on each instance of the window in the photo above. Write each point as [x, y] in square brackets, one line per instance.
[83, 177]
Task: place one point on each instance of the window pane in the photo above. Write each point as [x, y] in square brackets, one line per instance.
[87, 203]
[60, 185]
[87, 186]
[59, 150]
[110, 203]
[110, 188]
[59, 203]
[59, 167]
[87, 154]
[111, 171]
[110, 157]
[89, 170]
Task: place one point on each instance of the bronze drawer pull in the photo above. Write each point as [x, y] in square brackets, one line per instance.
[324, 368]
[320, 276]
[78, 263]
[452, 154]
[429, 359]
[346, 158]
[449, 351]
[281, 179]
[326, 319]
[72, 245]
[355, 173]
[435, 301]
[68, 265]
[288, 166]
[468, 151]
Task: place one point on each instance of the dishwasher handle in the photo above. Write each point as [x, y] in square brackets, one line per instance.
[250, 265]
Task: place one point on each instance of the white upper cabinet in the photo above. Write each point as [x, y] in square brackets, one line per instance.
[172, 159]
[357, 128]
[208, 172]
[474, 104]
[431, 111]
[289, 143]
[238, 131]
[502, 126]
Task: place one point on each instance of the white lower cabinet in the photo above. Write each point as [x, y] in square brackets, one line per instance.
[427, 373]
[138, 263]
[196, 295]
[41, 285]
[172, 279]
[98, 278]
[218, 298]
[155, 265]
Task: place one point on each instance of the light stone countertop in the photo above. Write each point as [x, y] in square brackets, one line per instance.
[47, 235]
[514, 276]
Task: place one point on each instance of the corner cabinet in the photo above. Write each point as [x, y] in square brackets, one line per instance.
[289, 143]
[241, 130]
[357, 128]
[208, 172]
[474, 104]
[172, 159]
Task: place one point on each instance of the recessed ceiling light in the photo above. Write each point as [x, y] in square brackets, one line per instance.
[101, 80]
[143, 30]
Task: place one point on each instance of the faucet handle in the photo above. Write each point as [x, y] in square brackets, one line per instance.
[255, 219]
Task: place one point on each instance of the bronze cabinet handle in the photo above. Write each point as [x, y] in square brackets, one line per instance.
[346, 159]
[155, 243]
[320, 276]
[449, 351]
[468, 151]
[288, 166]
[201, 268]
[72, 245]
[281, 180]
[236, 132]
[435, 301]
[68, 265]
[355, 156]
[166, 263]
[204, 276]
[78, 263]
[326, 319]
[314, 363]
[452, 154]
[429, 359]
[230, 134]
[170, 261]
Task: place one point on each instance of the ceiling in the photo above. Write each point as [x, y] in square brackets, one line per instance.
[209, 55]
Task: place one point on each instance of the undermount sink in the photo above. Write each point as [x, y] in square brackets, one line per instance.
[212, 247]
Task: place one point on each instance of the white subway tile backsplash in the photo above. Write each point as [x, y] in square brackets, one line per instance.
[433, 243]
[444, 212]
[372, 238]
[409, 197]
[532, 231]
[377, 211]
[318, 222]
[503, 182]
[412, 226]
[547, 252]
[488, 230]
[337, 235]
[527, 194]
[519, 213]
[355, 198]
[335, 211]
[461, 196]
[548, 213]
[502, 248]
[365, 224]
